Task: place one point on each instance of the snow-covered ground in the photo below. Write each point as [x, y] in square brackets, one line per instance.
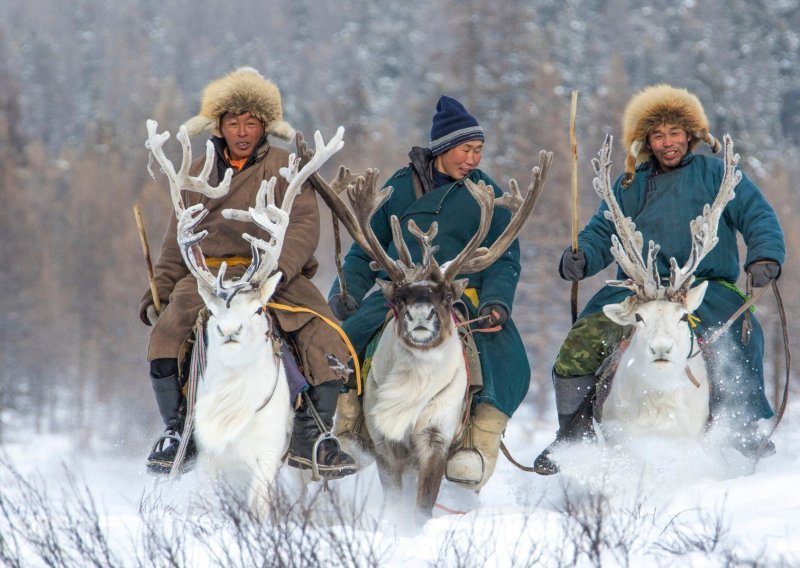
[638, 506]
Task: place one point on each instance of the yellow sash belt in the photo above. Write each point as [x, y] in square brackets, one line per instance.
[216, 261]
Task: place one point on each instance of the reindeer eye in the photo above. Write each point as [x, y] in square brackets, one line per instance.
[639, 318]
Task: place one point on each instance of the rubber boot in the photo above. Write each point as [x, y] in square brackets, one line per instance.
[574, 406]
[312, 430]
[472, 465]
[169, 398]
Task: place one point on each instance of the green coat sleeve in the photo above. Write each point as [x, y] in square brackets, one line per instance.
[755, 219]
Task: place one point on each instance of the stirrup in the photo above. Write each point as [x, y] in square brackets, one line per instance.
[159, 444]
[162, 465]
[325, 436]
[451, 476]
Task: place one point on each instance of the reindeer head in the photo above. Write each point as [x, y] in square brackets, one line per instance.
[422, 294]
[236, 307]
[663, 338]
[660, 314]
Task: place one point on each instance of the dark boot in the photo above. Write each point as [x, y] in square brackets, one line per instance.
[312, 434]
[751, 443]
[574, 397]
[169, 398]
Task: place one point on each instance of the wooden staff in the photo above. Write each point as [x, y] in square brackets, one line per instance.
[146, 249]
[574, 144]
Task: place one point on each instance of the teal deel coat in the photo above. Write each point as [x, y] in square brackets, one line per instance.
[662, 205]
[504, 362]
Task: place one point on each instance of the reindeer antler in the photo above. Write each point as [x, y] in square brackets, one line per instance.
[273, 219]
[627, 244]
[265, 213]
[365, 200]
[188, 219]
[473, 259]
[181, 179]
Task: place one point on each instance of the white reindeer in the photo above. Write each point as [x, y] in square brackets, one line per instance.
[414, 399]
[661, 382]
[243, 415]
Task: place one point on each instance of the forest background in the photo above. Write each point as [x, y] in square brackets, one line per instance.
[78, 80]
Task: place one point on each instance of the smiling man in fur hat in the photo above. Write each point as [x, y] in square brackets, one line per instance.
[665, 185]
[240, 111]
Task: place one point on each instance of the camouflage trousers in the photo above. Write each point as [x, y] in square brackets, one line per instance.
[590, 340]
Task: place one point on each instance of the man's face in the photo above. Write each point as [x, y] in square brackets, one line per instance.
[458, 162]
[242, 133]
[669, 144]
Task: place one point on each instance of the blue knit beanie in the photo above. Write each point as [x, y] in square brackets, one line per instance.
[452, 125]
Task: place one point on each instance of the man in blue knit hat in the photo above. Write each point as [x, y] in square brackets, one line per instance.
[431, 188]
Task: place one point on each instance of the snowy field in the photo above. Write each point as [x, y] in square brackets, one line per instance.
[656, 505]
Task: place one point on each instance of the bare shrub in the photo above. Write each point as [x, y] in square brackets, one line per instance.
[474, 545]
[311, 527]
[58, 532]
[315, 528]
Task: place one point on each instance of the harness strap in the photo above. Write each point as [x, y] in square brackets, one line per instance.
[276, 355]
[788, 355]
[752, 300]
[510, 458]
[196, 371]
[334, 325]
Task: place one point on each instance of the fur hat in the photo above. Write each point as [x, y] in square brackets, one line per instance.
[452, 125]
[243, 90]
[654, 106]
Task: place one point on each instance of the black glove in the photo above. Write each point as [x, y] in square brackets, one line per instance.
[498, 315]
[343, 308]
[763, 271]
[572, 265]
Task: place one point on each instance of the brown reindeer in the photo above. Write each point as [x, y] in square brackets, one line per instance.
[414, 398]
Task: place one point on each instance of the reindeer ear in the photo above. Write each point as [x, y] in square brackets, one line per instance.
[205, 293]
[621, 313]
[387, 287]
[694, 297]
[458, 287]
[267, 289]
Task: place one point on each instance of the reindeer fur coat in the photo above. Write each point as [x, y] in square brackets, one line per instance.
[505, 367]
[662, 205]
[177, 288]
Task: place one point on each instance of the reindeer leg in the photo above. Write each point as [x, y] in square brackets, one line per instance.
[390, 469]
[262, 481]
[430, 445]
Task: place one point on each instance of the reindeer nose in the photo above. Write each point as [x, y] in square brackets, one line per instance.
[660, 348]
[228, 332]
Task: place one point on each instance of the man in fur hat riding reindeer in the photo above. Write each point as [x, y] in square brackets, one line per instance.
[664, 186]
[240, 110]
